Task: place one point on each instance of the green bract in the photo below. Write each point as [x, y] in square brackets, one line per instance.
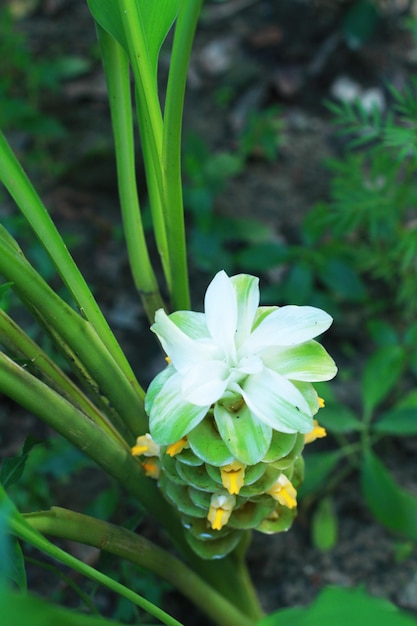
[253, 366]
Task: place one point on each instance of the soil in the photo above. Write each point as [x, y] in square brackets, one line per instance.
[249, 55]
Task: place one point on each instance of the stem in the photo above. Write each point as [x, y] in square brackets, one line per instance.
[128, 545]
[77, 333]
[150, 123]
[20, 527]
[32, 394]
[23, 348]
[171, 149]
[116, 67]
[22, 191]
[228, 576]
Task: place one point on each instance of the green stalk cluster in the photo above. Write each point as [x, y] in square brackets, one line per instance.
[218, 498]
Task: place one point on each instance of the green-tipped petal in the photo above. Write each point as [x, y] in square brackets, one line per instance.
[171, 418]
[183, 351]
[275, 401]
[156, 386]
[247, 438]
[247, 295]
[191, 323]
[286, 326]
[308, 361]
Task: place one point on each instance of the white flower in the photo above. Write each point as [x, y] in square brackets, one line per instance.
[254, 365]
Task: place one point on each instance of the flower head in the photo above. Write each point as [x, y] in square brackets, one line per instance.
[252, 366]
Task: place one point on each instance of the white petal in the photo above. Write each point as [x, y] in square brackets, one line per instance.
[287, 326]
[277, 402]
[205, 383]
[183, 351]
[220, 307]
[171, 417]
[308, 361]
[247, 295]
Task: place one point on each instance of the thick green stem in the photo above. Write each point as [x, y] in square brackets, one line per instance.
[78, 334]
[116, 67]
[20, 527]
[66, 524]
[22, 191]
[25, 350]
[17, 383]
[228, 576]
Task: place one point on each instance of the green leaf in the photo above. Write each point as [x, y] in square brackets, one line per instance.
[400, 422]
[324, 525]
[337, 418]
[5, 288]
[17, 572]
[382, 371]
[317, 469]
[156, 18]
[343, 281]
[341, 607]
[360, 23]
[394, 507]
[30, 611]
[12, 468]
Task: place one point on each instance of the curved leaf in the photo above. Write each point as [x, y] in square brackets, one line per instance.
[156, 18]
[400, 421]
[394, 507]
[382, 371]
[341, 607]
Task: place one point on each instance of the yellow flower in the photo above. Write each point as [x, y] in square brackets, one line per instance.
[321, 403]
[145, 445]
[283, 491]
[233, 476]
[221, 507]
[317, 433]
[177, 447]
[152, 468]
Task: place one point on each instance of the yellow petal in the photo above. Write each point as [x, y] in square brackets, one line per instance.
[233, 476]
[145, 445]
[283, 491]
[317, 433]
[221, 507]
[151, 468]
[177, 447]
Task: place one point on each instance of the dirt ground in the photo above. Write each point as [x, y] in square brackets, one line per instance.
[249, 55]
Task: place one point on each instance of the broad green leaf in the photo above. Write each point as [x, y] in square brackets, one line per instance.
[30, 611]
[382, 371]
[156, 18]
[394, 507]
[400, 422]
[337, 418]
[324, 525]
[318, 466]
[342, 607]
